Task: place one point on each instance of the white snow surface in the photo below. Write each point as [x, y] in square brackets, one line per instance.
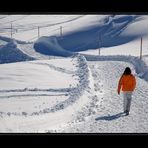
[77, 94]
[33, 98]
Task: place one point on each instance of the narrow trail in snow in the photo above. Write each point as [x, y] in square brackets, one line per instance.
[65, 96]
[109, 116]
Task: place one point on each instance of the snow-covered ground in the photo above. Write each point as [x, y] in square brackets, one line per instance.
[41, 90]
[107, 111]
[48, 93]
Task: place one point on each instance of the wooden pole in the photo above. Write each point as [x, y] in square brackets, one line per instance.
[99, 51]
[61, 31]
[38, 32]
[99, 44]
[141, 49]
[11, 30]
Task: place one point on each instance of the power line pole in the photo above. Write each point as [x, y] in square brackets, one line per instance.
[11, 30]
[99, 45]
[61, 34]
[38, 32]
[141, 49]
[99, 50]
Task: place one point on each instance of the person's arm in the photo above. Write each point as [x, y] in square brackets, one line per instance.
[134, 82]
[119, 85]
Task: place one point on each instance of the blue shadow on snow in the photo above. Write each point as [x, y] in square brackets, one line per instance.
[112, 117]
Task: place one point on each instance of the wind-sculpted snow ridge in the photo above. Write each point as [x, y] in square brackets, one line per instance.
[50, 46]
[107, 33]
[140, 67]
[85, 85]
[10, 53]
[7, 39]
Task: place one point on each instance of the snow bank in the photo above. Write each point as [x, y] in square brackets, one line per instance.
[10, 53]
[104, 32]
[140, 66]
[84, 86]
[76, 93]
[59, 110]
[89, 32]
[25, 47]
[90, 36]
[7, 39]
[50, 46]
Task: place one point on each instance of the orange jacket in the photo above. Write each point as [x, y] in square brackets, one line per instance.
[127, 83]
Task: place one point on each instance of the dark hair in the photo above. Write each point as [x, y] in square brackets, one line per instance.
[127, 71]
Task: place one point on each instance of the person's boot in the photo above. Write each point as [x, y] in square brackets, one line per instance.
[126, 112]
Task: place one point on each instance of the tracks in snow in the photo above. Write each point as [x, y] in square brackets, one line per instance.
[70, 95]
[108, 117]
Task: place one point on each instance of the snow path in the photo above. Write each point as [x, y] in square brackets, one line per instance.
[44, 108]
[29, 50]
[109, 117]
[77, 107]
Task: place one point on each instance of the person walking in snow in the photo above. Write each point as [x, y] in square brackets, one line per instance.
[127, 84]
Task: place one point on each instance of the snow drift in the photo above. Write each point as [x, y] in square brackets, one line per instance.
[8, 39]
[50, 46]
[105, 31]
[85, 32]
[83, 87]
[10, 53]
[140, 66]
[75, 96]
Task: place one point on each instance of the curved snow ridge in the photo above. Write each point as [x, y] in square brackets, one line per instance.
[140, 66]
[50, 46]
[8, 39]
[26, 48]
[30, 51]
[77, 95]
[11, 53]
[84, 86]
[115, 25]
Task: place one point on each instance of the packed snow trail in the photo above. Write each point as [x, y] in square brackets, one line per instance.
[32, 101]
[109, 117]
